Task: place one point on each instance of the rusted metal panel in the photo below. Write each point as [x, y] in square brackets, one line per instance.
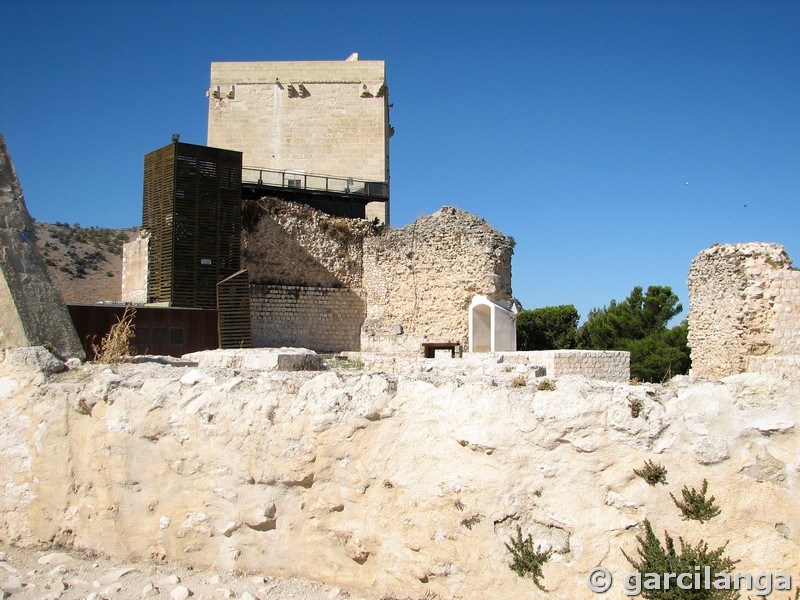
[159, 330]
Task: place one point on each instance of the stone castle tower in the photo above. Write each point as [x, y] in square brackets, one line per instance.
[321, 118]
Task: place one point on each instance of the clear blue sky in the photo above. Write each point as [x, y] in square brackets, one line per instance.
[612, 140]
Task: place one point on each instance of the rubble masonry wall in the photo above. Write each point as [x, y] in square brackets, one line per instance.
[745, 311]
[421, 279]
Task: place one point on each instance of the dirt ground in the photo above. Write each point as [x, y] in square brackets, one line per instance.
[68, 575]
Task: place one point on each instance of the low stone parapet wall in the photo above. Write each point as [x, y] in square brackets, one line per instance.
[603, 365]
[607, 365]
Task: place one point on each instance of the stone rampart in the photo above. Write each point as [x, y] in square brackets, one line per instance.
[419, 280]
[406, 286]
[745, 310]
[320, 318]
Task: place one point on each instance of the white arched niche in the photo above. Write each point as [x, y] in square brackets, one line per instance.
[492, 326]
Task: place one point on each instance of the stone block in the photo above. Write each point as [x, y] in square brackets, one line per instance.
[259, 359]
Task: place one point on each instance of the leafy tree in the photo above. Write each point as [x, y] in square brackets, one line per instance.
[661, 355]
[639, 325]
[548, 328]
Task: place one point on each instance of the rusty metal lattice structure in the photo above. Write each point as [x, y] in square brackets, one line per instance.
[192, 208]
[233, 300]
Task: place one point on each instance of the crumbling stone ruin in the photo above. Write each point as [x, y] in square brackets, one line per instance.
[419, 280]
[336, 284]
[32, 312]
[745, 311]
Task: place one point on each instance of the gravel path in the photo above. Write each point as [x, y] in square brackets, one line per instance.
[55, 574]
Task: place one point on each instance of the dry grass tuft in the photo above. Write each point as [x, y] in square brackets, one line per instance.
[116, 346]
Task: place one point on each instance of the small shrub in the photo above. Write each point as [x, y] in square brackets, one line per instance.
[546, 385]
[653, 558]
[470, 521]
[109, 274]
[117, 345]
[695, 505]
[652, 473]
[527, 561]
[636, 407]
[338, 361]
[519, 381]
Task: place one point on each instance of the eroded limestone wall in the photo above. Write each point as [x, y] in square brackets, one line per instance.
[405, 485]
[419, 280]
[745, 302]
[320, 318]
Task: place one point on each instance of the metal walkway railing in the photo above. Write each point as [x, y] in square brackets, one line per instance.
[299, 180]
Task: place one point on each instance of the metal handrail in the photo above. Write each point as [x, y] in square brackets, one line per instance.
[290, 179]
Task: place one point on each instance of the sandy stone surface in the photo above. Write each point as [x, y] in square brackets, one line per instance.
[67, 575]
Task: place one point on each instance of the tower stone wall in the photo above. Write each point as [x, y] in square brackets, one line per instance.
[321, 117]
[745, 311]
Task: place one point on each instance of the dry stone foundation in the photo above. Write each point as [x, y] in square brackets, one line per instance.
[745, 311]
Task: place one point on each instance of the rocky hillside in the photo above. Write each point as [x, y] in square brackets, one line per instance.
[85, 262]
[406, 485]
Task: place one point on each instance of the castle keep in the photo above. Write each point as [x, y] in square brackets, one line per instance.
[317, 125]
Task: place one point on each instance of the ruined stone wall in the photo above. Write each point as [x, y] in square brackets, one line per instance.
[292, 244]
[604, 365]
[419, 280]
[320, 318]
[745, 302]
[323, 117]
[421, 277]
